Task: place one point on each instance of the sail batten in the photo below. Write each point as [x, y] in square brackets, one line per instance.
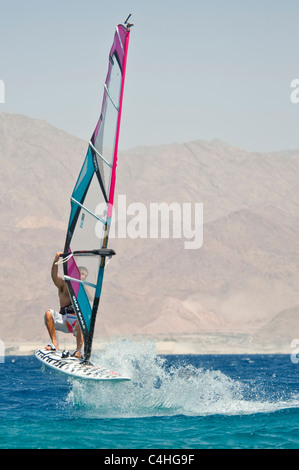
[84, 283]
[89, 211]
[99, 155]
[85, 249]
[120, 42]
[110, 97]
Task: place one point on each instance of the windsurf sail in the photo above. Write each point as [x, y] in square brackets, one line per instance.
[86, 250]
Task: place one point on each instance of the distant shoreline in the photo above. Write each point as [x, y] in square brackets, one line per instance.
[193, 344]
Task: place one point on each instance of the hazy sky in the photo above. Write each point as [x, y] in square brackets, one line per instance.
[196, 69]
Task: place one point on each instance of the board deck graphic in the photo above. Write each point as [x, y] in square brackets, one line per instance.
[74, 367]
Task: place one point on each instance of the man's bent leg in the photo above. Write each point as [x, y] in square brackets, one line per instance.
[79, 339]
[51, 328]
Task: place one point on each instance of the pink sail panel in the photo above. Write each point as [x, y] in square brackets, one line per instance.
[125, 34]
[107, 143]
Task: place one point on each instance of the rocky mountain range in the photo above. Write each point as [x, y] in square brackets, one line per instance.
[243, 278]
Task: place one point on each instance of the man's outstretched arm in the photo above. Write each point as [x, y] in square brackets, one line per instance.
[57, 279]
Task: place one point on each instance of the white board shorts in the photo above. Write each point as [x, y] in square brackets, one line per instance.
[66, 323]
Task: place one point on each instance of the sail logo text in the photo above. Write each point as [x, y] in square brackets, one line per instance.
[159, 220]
[2, 92]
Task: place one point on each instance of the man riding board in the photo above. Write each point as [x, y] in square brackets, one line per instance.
[65, 320]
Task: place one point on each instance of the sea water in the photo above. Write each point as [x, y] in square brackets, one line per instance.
[172, 402]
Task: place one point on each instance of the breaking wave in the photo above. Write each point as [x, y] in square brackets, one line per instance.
[159, 388]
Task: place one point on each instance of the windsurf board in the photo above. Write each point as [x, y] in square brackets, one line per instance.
[75, 367]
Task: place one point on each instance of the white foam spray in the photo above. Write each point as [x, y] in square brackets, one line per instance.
[159, 389]
[156, 388]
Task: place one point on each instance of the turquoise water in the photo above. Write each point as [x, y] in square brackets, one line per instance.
[173, 402]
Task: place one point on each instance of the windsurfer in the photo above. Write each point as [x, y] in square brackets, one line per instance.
[65, 320]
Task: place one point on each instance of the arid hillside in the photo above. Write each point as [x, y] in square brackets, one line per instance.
[243, 279]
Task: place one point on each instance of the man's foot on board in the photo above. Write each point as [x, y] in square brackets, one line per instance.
[50, 347]
[77, 354]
